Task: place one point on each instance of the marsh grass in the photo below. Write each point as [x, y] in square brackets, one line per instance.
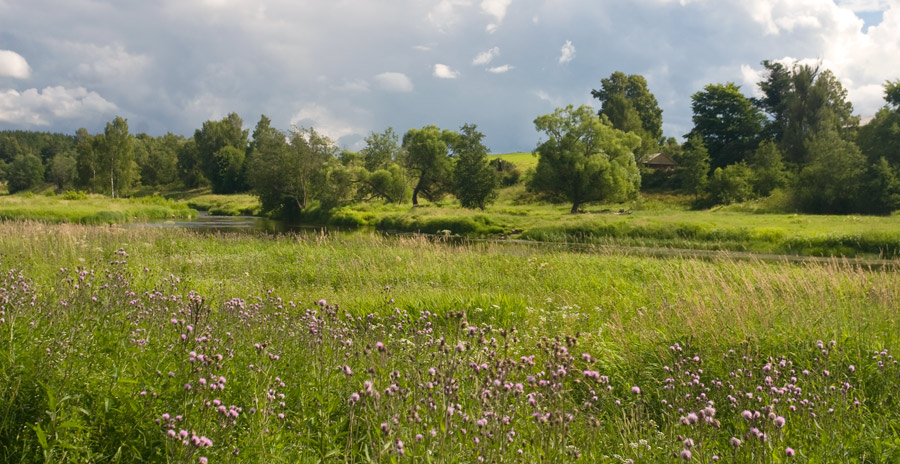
[433, 351]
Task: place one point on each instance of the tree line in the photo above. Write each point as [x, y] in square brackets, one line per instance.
[799, 140]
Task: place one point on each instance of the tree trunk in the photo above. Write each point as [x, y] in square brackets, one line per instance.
[575, 206]
[112, 185]
[415, 198]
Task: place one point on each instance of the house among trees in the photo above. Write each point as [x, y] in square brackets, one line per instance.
[660, 162]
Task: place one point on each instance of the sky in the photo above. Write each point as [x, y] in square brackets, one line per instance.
[350, 67]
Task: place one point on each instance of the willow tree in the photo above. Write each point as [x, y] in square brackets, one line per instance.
[584, 160]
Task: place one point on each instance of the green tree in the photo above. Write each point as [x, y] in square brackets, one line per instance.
[62, 170]
[86, 160]
[115, 157]
[693, 166]
[881, 137]
[627, 102]
[583, 159]
[727, 121]
[288, 178]
[189, 170]
[769, 172]
[830, 183]
[24, 173]
[381, 150]
[220, 166]
[390, 184]
[731, 184]
[157, 158]
[428, 160]
[475, 183]
[881, 189]
[803, 101]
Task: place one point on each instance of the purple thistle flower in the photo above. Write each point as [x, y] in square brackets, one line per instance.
[789, 452]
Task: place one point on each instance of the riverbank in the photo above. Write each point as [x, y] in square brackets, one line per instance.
[652, 222]
[81, 208]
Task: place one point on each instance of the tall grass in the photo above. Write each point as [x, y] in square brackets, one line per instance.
[363, 348]
[90, 209]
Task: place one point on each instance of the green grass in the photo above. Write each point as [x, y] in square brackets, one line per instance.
[90, 209]
[226, 205]
[88, 342]
[523, 161]
[654, 221]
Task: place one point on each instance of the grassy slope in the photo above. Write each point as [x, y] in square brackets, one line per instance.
[628, 310]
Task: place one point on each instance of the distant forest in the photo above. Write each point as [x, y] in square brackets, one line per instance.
[798, 145]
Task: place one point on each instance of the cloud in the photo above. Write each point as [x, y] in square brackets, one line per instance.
[52, 105]
[13, 65]
[544, 96]
[394, 82]
[444, 72]
[485, 57]
[567, 52]
[501, 69]
[497, 9]
[324, 121]
[104, 63]
[445, 14]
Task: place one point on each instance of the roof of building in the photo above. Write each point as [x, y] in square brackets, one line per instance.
[660, 159]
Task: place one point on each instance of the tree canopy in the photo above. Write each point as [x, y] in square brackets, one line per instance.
[428, 159]
[728, 123]
[630, 107]
[583, 159]
[475, 183]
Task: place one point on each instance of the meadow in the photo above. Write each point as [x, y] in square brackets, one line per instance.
[83, 208]
[137, 345]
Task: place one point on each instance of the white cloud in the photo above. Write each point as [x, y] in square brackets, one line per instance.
[567, 52]
[422, 48]
[485, 57]
[354, 86]
[35, 107]
[444, 15]
[444, 72]
[501, 69]
[497, 9]
[105, 63]
[324, 121]
[544, 96]
[394, 82]
[14, 65]
[862, 6]
[750, 78]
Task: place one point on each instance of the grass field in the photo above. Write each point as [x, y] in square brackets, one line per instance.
[523, 161]
[127, 345]
[81, 208]
[654, 221]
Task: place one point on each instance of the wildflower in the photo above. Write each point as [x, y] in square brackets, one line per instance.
[202, 460]
[735, 442]
[779, 422]
[354, 397]
[686, 454]
[747, 415]
[789, 452]
[636, 390]
[688, 443]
